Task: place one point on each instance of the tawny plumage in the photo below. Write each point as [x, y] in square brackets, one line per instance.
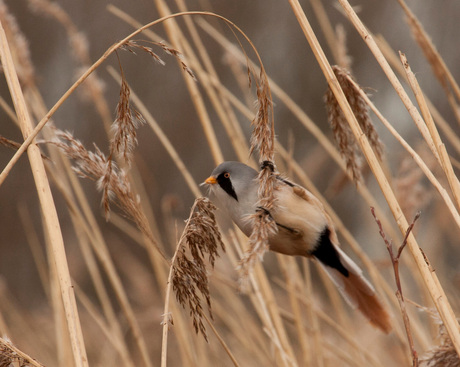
[304, 229]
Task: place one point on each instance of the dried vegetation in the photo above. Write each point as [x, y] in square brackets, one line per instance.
[289, 316]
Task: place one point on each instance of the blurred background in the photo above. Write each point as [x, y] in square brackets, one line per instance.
[288, 60]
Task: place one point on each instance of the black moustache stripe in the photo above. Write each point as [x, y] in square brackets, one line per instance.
[226, 185]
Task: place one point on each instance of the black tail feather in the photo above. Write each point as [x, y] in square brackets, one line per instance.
[326, 252]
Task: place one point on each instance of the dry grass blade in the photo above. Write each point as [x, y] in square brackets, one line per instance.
[348, 147]
[49, 211]
[188, 274]
[446, 164]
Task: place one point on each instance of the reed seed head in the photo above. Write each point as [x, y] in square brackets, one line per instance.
[348, 147]
[200, 238]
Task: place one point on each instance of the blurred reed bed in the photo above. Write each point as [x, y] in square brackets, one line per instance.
[152, 304]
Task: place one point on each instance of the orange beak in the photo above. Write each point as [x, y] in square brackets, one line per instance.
[210, 180]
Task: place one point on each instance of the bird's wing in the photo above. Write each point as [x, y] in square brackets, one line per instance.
[300, 218]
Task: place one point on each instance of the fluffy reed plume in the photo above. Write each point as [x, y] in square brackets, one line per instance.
[133, 45]
[130, 46]
[179, 57]
[21, 52]
[110, 179]
[342, 133]
[11, 356]
[200, 237]
[262, 140]
[127, 120]
[443, 355]
[263, 135]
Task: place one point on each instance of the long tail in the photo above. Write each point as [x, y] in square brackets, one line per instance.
[353, 286]
[358, 292]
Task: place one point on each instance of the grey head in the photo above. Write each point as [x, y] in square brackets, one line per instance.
[234, 185]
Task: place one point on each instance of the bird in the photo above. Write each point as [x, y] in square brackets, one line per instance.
[304, 229]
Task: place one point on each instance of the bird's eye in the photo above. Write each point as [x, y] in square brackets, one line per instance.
[227, 175]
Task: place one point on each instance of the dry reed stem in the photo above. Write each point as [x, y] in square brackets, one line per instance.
[84, 222]
[319, 358]
[47, 205]
[440, 70]
[395, 62]
[441, 148]
[35, 247]
[222, 342]
[81, 229]
[432, 283]
[8, 110]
